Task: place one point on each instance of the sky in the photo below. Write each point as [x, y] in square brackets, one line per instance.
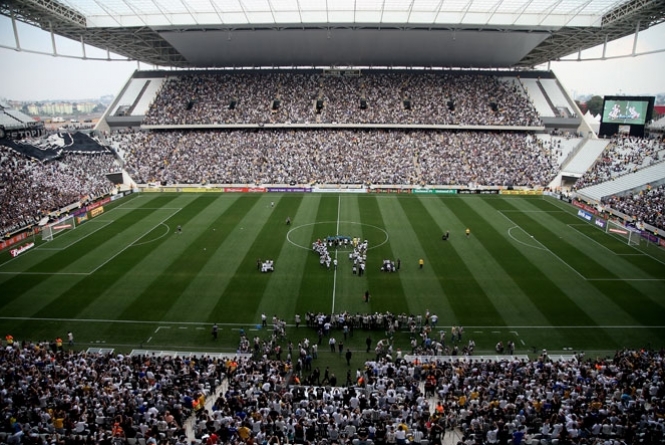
[25, 76]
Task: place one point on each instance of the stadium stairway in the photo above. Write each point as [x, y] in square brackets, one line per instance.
[210, 401]
[585, 157]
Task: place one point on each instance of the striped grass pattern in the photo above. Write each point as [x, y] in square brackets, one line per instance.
[531, 272]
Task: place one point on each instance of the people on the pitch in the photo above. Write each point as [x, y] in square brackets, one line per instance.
[468, 232]
[445, 236]
[267, 266]
[288, 220]
[388, 266]
[421, 263]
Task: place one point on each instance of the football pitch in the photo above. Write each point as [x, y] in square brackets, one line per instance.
[531, 272]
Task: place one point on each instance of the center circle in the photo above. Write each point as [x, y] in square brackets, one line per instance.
[308, 246]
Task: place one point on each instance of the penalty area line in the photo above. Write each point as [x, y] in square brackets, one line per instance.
[135, 241]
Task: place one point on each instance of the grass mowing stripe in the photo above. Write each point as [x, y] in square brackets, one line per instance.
[46, 249]
[284, 286]
[643, 266]
[315, 293]
[156, 257]
[19, 286]
[641, 307]
[510, 302]
[649, 249]
[593, 302]
[71, 303]
[350, 288]
[386, 288]
[646, 310]
[420, 287]
[542, 227]
[173, 276]
[546, 291]
[243, 295]
[112, 232]
[614, 245]
[114, 291]
[535, 285]
[65, 296]
[498, 266]
[240, 223]
[466, 297]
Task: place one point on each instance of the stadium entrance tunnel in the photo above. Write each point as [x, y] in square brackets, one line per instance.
[304, 235]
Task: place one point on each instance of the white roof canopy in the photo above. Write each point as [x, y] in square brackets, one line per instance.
[426, 33]
[542, 13]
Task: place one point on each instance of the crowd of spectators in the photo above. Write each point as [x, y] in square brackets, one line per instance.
[30, 189]
[608, 401]
[605, 401]
[647, 206]
[624, 155]
[414, 157]
[50, 396]
[55, 396]
[405, 97]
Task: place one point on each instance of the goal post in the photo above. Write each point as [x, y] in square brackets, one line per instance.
[620, 231]
[51, 230]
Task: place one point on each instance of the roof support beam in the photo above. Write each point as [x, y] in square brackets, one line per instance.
[549, 10]
[55, 50]
[244, 12]
[58, 9]
[219, 14]
[522, 9]
[493, 10]
[604, 47]
[189, 11]
[575, 11]
[137, 13]
[272, 11]
[110, 13]
[637, 32]
[466, 10]
[16, 39]
[299, 10]
[408, 17]
[438, 11]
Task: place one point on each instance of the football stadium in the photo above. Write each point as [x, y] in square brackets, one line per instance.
[335, 222]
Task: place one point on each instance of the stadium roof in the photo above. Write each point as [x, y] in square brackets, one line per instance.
[124, 13]
[446, 33]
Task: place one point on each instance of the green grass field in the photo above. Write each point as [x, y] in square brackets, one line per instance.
[531, 272]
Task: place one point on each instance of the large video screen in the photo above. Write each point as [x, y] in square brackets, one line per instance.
[632, 112]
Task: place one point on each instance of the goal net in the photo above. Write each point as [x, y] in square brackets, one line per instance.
[619, 231]
[51, 230]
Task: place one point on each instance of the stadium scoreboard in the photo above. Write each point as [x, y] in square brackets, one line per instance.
[626, 115]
